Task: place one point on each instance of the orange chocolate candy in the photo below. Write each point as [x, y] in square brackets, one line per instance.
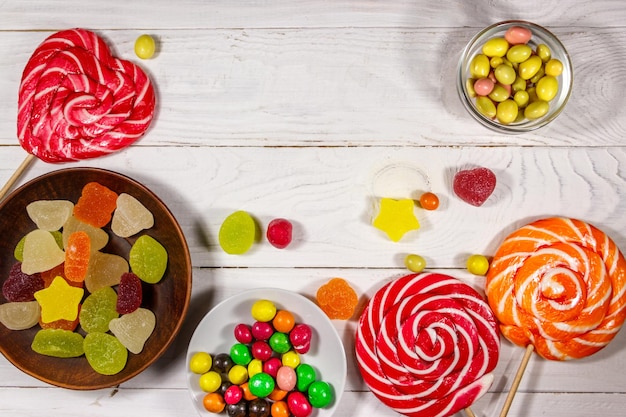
[337, 299]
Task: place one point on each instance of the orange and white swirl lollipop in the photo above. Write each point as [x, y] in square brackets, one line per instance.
[77, 101]
[558, 284]
[426, 344]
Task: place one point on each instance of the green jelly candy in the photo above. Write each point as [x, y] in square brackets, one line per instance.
[105, 353]
[306, 375]
[237, 233]
[98, 309]
[148, 259]
[58, 343]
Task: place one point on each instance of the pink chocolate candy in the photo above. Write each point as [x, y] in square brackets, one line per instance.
[77, 101]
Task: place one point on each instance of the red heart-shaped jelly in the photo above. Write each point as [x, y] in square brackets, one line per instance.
[474, 186]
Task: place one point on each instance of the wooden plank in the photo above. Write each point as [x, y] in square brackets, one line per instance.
[190, 14]
[351, 86]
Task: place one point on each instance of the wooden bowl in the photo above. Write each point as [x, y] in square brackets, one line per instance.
[168, 299]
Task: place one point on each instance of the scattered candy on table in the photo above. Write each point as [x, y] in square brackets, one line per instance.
[237, 233]
[396, 218]
[429, 201]
[477, 264]
[279, 233]
[415, 263]
[474, 186]
[337, 299]
[145, 46]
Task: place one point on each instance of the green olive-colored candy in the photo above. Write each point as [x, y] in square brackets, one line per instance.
[58, 343]
[486, 107]
[499, 93]
[530, 67]
[519, 84]
[521, 98]
[105, 354]
[547, 88]
[237, 233]
[543, 52]
[506, 111]
[536, 109]
[495, 47]
[519, 53]
[505, 74]
[479, 67]
[148, 259]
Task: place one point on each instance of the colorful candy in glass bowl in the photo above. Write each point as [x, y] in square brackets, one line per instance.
[272, 344]
[514, 76]
[116, 303]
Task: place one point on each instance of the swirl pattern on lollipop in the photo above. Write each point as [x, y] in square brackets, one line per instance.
[77, 101]
[560, 285]
[426, 344]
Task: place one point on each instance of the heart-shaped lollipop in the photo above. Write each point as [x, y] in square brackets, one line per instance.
[77, 101]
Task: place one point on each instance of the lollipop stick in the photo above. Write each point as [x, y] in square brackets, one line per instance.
[16, 175]
[518, 378]
[469, 412]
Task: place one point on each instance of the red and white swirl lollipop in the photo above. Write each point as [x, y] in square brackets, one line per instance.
[77, 101]
[426, 344]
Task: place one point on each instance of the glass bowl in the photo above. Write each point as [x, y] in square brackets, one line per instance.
[540, 36]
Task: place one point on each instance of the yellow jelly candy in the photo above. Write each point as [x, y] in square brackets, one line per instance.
[105, 353]
[396, 217]
[41, 252]
[130, 216]
[58, 343]
[148, 259]
[59, 301]
[237, 233]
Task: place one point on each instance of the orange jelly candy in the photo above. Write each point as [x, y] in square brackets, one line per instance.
[77, 255]
[95, 205]
[337, 299]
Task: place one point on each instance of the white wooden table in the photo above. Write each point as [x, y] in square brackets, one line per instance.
[311, 110]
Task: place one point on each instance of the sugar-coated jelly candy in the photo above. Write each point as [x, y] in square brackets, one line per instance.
[263, 310]
[259, 407]
[300, 338]
[213, 402]
[306, 375]
[62, 324]
[129, 293]
[60, 301]
[148, 259]
[279, 233]
[396, 218]
[337, 299]
[97, 237]
[105, 270]
[242, 333]
[130, 216]
[320, 394]
[58, 343]
[474, 186]
[237, 233]
[95, 205]
[41, 252]
[77, 254]
[299, 405]
[98, 309]
[19, 315]
[20, 286]
[105, 353]
[134, 329]
[200, 363]
[50, 215]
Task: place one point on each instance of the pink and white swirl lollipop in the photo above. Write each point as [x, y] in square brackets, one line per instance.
[77, 101]
[426, 344]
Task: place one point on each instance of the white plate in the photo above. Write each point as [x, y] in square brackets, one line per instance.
[214, 335]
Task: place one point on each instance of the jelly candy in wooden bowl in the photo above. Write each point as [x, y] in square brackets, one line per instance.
[168, 299]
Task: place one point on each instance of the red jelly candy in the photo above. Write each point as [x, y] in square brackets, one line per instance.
[474, 186]
[95, 205]
[279, 233]
[129, 294]
[20, 286]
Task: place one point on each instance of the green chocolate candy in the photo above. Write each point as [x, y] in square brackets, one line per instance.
[105, 353]
[320, 394]
[148, 259]
[306, 376]
[261, 384]
[58, 343]
[237, 233]
[279, 342]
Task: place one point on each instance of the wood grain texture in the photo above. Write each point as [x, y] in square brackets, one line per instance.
[313, 110]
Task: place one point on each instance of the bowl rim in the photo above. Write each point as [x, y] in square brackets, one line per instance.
[114, 379]
[250, 294]
[511, 128]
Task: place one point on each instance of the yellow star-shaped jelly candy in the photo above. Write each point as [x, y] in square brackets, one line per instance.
[396, 217]
[59, 301]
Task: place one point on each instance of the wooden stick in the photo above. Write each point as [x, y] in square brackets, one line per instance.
[469, 412]
[518, 378]
[16, 175]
